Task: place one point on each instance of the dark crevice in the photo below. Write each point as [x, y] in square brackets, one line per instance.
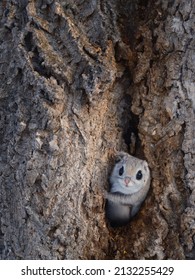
[2, 247]
[127, 22]
[143, 3]
[37, 62]
[129, 121]
[28, 40]
[131, 133]
[45, 95]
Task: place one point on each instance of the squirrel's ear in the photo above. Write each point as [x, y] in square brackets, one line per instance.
[146, 165]
[120, 156]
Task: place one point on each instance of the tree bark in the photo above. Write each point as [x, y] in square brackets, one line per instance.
[79, 80]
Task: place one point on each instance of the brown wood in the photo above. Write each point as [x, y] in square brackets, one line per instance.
[79, 80]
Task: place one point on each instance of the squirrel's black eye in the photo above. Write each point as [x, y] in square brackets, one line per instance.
[139, 175]
[121, 171]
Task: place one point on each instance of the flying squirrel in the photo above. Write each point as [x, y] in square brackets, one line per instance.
[130, 182]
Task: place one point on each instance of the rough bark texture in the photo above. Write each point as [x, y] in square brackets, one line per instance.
[80, 79]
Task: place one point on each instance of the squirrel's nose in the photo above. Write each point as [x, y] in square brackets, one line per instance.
[127, 180]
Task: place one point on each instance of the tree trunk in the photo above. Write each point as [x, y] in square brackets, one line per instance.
[79, 80]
